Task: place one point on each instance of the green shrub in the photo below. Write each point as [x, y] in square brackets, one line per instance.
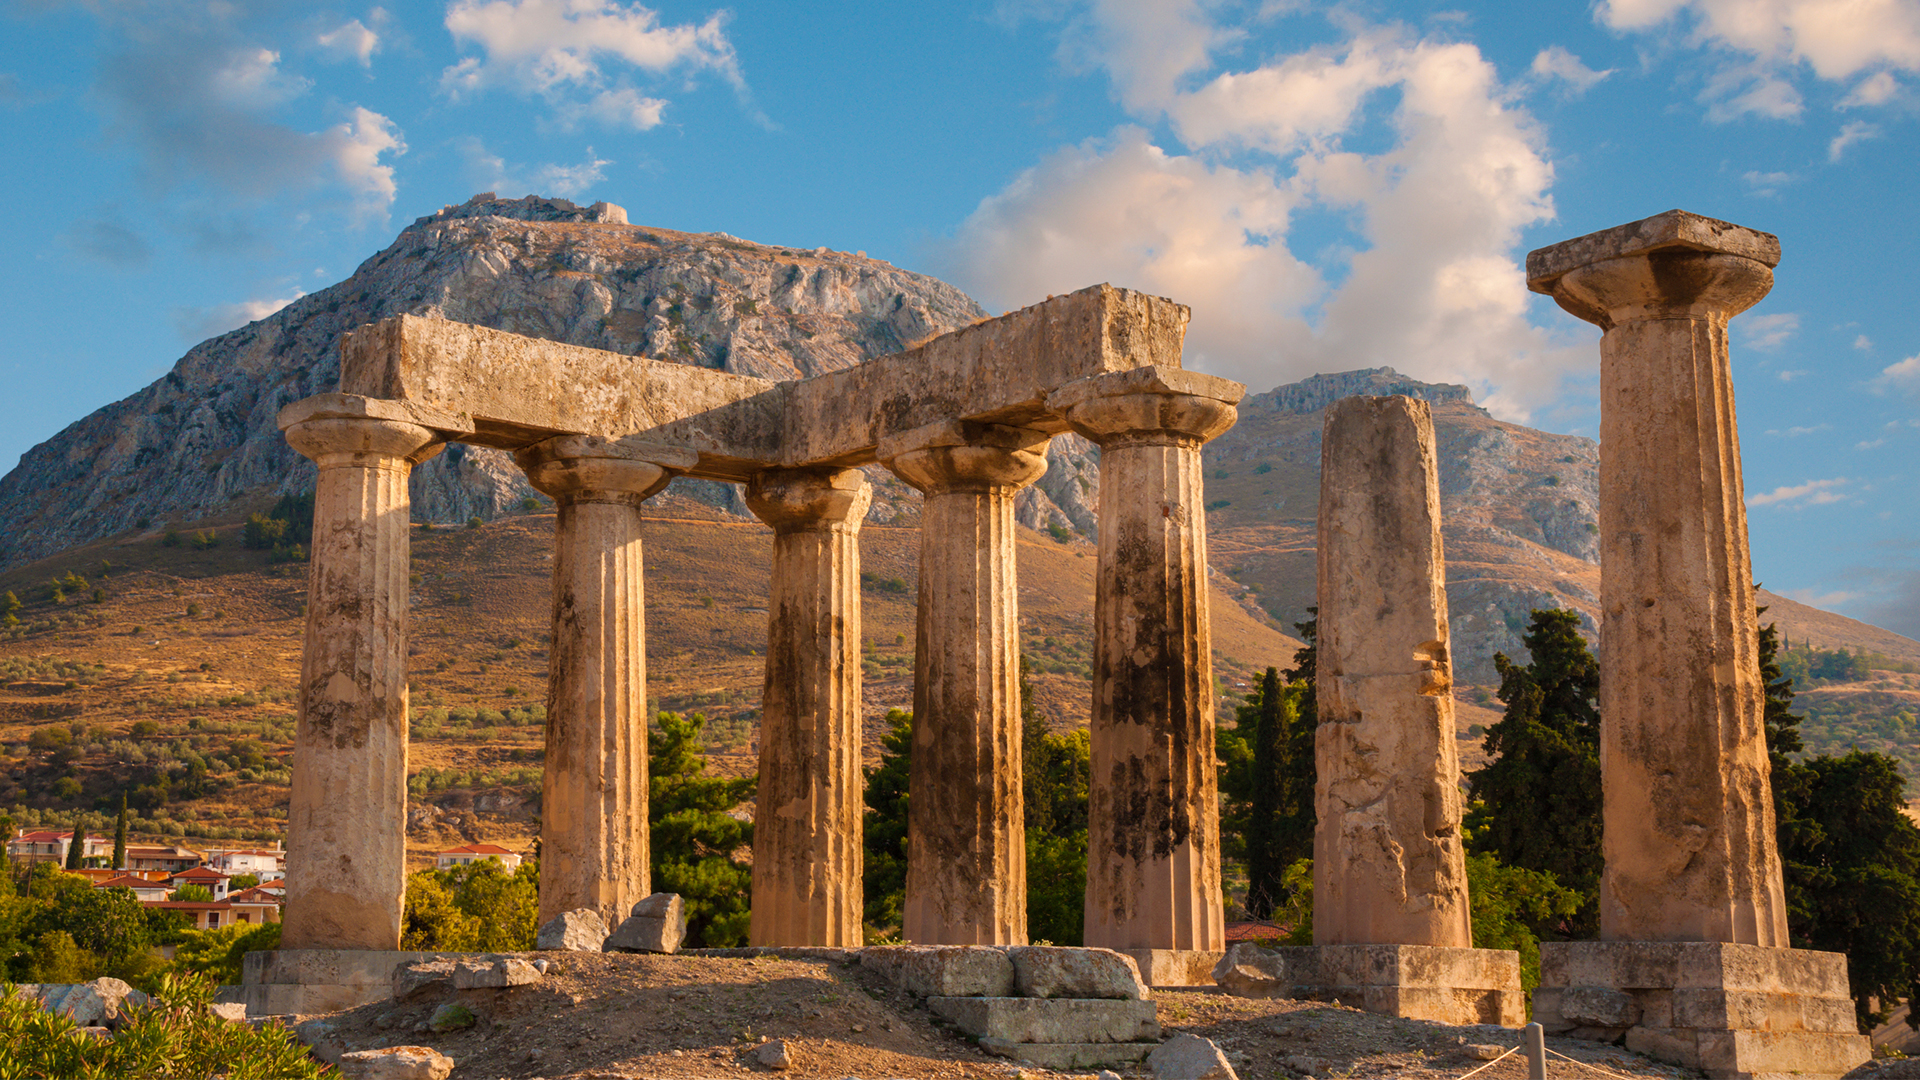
[206, 539]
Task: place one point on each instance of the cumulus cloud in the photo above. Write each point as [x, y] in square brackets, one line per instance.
[353, 40]
[1767, 42]
[1811, 493]
[1767, 184]
[1857, 131]
[198, 324]
[1767, 331]
[1863, 343]
[577, 55]
[490, 172]
[1556, 64]
[1796, 432]
[1903, 377]
[107, 241]
[195, 98]
[1430, 283]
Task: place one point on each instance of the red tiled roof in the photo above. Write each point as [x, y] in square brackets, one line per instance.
[201, 873]
[129, 881]
[1256, 931]
[477, 849]
[49, 836]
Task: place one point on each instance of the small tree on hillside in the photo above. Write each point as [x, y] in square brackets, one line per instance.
[885, 870]
[1539, 794]
[120, 836]
[695, 841]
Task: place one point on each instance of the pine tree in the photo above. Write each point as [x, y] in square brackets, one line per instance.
[693, 838]
[1539, 794]
[885, 841]
[120, 836]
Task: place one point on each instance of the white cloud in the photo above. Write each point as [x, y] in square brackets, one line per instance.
[1765, 184]
[1811, 493]
[1863, 343]
[1870, 444]
[488, 171]
[356, 148]
[577, 54]
[1796, 432]
[1789, 376]
[1857, 131]
[1816, 598]
[1555, 62]
[198, 324]
[1434, 288]
[353, 40]
[1767, 331]
[1903, 377]
[1767, 42]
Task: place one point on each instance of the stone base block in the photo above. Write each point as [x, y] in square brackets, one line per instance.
[1419, 982]
[1174, 967]
[943, 970]
[1051, 1020]
[1735, 1011]
[310, 981]
[1063, 1057]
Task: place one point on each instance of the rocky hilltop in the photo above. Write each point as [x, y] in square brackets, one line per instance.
[201, 442]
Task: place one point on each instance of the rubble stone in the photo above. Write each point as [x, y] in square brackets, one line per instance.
[658, 924]
[396, 1063]
[493, 973]
[580, 930]
[1190, 1057]
[774, 1055]
[103, 1002]
[413, 977]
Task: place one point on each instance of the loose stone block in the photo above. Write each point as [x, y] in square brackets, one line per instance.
[494, 973]
[807, 816]
[967, 861]
[1050, 1020]
[396, 1063]
[1175, 967]
[1689, 839]
[1446, 985]
[308, 981]
[1190, 1057]
[1045, 971]
[943, 970]
[1389, 867]
[346, 847]
[658, 924]
[1153, 842]
[581, 930]
[416, 976]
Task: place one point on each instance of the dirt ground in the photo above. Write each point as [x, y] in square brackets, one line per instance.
[601, 1017]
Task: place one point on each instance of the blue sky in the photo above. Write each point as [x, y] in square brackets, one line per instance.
[1329, 187]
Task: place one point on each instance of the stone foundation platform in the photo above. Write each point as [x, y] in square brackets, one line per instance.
[1419, 982]
[1737, 1012]
[1174, 968]
[319, 980]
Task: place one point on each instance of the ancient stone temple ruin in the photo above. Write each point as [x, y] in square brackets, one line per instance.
[965, 418]
[1693, 964]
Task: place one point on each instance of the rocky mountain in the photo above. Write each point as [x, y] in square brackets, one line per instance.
[201, 443]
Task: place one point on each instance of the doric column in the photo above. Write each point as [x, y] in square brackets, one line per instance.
[807, 819]
[346, 819]
[1153, 845]
[1388, 864]
[593, 828]
[1689, 837]
[966, 839]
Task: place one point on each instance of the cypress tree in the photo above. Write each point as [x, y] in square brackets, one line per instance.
[120, 836]
[1540, 792]
[1265, 863]
[76, 847]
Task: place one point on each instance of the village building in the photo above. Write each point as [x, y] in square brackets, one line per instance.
[472, 853]
[207, 877]
[50, 845]
[166, 858]
[264, 863]
[146, 890]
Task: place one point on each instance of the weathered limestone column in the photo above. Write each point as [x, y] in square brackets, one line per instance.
[1694, 964]
[967, 856]
[593, 828]
[346, 819]
[1153, 845]
[1387, 854]
[807, 820]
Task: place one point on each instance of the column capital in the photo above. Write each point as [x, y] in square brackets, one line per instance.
[1152, 406]
[966, 456]
[1670, 266]
[803, 500]
[590, 468]
[338, 430]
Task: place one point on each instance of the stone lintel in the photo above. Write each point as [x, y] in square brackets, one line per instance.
[562, 447]
[509, 391]
[1673, 229]
[962, 433]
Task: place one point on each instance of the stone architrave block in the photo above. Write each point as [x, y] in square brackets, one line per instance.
[396, 1063]
[1069, 1057]
[581, 930]
[658, 924]
[1051, 1020]
[943, 970]
[1048, 971]
[1190, 1057]
[494, 973]
[417, 975]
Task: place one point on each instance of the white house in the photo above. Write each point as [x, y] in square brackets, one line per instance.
[472, 853]
[50, 845]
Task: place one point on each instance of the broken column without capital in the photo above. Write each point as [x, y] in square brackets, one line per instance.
[1694, 954]
[1391, 930]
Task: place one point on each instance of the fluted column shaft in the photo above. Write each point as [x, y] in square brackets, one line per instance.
[593, 828]
[966, 834]
[807, 818]
[1688, 810]
[1153, 844]
[346, 818]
